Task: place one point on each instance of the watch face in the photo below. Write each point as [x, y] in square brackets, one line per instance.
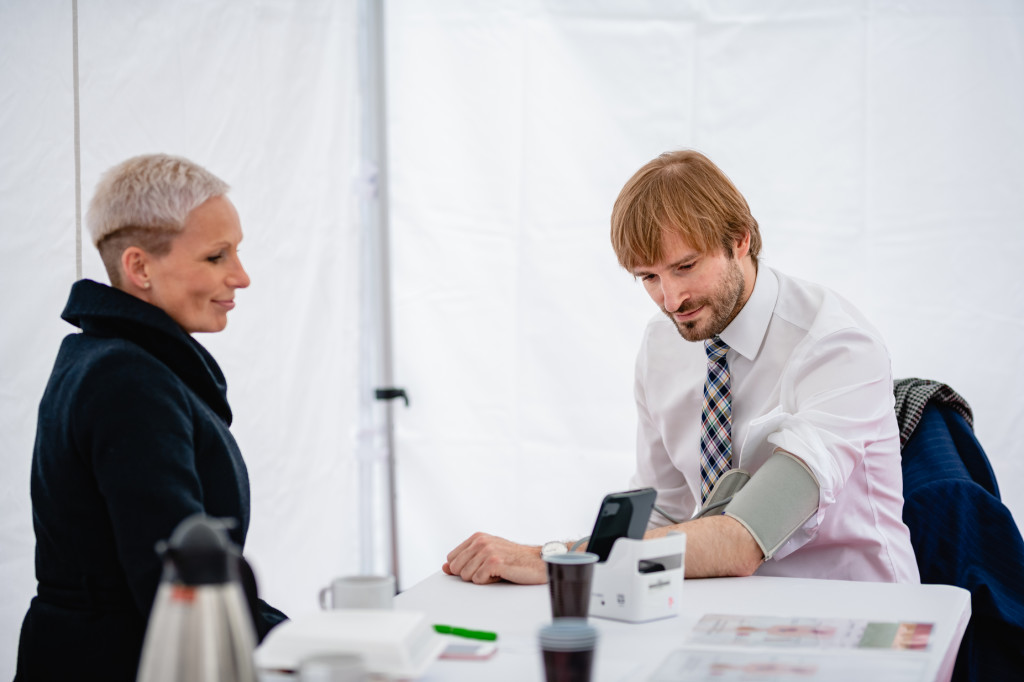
[553, 547]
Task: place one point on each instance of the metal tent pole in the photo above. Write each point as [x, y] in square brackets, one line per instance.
[376, 435]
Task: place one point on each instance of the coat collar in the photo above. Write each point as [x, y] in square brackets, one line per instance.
[103, 311]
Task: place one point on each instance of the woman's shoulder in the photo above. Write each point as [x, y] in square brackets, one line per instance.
[125, 357]
[100, 383]
[92, 363]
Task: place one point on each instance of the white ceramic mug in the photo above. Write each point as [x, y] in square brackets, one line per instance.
[359, 592]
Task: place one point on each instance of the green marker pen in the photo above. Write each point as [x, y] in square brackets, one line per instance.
[462, 632]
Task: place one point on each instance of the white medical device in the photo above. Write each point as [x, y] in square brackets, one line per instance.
[642, 580]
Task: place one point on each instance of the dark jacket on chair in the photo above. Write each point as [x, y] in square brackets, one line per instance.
[963, 535]
[132, 438]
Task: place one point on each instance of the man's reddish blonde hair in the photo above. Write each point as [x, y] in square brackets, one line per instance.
[685, 193]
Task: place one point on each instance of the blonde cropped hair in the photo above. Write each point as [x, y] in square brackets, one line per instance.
[144, 202]
[686, 193]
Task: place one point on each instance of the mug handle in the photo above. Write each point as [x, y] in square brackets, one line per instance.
[324, 593]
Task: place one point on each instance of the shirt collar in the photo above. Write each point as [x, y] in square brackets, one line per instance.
[747, 330]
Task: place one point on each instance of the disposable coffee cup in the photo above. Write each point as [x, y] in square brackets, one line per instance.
[569, 579]
[359, 592]
[567, 647]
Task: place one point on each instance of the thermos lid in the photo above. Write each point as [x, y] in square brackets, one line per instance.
[199, 552]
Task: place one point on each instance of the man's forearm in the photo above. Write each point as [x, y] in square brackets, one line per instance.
[716, 546]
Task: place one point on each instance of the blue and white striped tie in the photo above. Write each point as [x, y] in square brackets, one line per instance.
[715, 418]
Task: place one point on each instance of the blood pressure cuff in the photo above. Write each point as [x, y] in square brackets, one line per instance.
[727, 485]
[776, 501]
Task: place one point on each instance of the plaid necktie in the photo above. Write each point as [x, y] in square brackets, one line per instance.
[715, 418]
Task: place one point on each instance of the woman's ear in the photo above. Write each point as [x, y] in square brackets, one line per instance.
[135, 268]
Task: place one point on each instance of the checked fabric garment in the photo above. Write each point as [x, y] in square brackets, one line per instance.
[715, 418]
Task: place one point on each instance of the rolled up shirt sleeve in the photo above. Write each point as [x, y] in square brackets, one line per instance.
[836, 400]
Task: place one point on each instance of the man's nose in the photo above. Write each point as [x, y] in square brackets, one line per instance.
[673, 293]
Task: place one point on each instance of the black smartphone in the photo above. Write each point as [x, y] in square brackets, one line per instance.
[622, 515]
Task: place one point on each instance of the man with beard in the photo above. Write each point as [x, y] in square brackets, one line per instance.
[765, 403]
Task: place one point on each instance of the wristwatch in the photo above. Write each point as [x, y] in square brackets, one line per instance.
[553, 547]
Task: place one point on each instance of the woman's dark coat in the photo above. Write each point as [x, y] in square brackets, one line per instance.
[132, 438]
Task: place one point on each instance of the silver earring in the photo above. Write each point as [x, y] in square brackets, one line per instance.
[146, 285]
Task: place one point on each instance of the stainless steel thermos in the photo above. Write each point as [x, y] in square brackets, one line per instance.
[200, 628]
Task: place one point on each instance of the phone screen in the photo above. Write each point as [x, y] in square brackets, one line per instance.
[621, 515]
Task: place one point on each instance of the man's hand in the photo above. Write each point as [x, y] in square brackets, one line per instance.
[487, 559]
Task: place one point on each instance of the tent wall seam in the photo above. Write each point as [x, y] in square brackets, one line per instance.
[78, 142]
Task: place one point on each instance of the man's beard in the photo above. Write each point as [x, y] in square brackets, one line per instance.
[724, 303]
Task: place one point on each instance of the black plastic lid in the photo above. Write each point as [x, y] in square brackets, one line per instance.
[200, 553]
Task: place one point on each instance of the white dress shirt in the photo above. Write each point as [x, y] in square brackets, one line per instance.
[810, 376]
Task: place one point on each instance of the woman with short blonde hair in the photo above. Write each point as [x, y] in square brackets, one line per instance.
[133, 431]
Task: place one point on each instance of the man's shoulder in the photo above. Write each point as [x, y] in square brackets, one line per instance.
[818, 310]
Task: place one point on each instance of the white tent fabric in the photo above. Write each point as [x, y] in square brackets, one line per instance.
[262, 94]
[879, 144]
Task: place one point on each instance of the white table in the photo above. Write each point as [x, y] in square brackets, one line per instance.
[630, 652]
